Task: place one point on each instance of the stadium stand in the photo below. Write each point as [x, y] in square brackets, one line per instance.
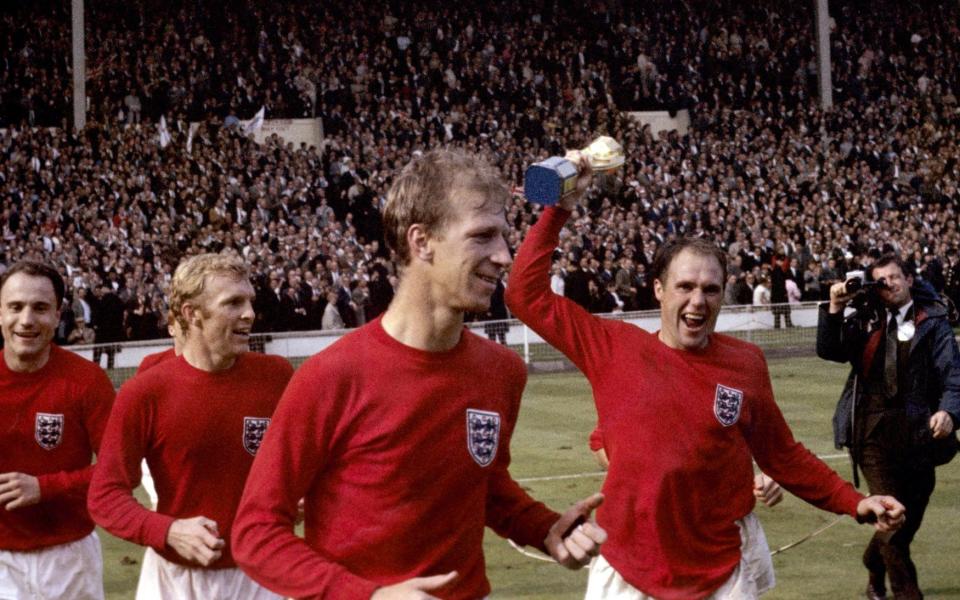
[763, 170]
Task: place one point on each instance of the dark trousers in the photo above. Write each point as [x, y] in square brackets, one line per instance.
[497, 331]
[781, 310]
[109, 350]
[888, 471]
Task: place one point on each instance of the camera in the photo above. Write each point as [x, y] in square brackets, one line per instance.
[856, 281]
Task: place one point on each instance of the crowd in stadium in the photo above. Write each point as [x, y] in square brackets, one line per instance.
[792, 192]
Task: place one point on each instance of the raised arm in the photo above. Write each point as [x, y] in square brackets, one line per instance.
[564, 324]
[830, 341]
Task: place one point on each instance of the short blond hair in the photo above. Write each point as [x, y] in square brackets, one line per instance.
[423, 193]
[189, 280]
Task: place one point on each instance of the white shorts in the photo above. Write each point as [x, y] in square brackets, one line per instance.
[72, 571]
[752, 577]
[161, 579]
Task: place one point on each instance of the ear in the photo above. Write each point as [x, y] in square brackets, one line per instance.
[191, 313]
[418, 240]
[658, 290]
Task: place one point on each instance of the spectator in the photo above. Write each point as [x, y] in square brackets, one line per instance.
[81, 334]
[331, 314]
[761, 171]
[761, 293]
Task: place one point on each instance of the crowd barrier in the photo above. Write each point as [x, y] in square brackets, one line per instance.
[751, 323]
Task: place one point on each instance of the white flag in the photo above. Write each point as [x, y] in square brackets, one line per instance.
[164, 133]
[256, 123]
[190, 134]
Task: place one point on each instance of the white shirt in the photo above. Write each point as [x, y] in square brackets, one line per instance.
[901, 313]
[557, 284]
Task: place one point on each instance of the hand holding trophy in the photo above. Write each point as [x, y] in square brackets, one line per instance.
[549, 181]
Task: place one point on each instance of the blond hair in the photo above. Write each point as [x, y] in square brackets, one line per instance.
[189, 280]
[423, 193]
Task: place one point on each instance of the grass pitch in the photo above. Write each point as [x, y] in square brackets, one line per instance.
[551, 459]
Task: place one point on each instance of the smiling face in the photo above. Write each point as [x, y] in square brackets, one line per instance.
[28, 315]
[690, 295]
[469, 253]
[221, 317]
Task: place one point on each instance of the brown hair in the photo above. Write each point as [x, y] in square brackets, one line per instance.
[889, 258]
[665, 254]
[425, 190]
[37, 269]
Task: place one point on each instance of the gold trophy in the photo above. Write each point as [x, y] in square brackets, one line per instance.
[547, 181]
[604, 154]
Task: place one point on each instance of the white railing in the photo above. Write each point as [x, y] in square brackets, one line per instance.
[754, 323]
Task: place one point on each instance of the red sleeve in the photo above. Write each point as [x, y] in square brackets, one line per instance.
[511, 512]
[596, 439]
[789, 462]
[561, 322]
[264, 543]
[111, 501]
[96, 401]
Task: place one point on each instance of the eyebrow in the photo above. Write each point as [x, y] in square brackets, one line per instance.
[36, 304]
[234, 297]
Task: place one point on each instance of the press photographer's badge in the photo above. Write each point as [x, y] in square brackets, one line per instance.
[483, 435]
[727, 404]
[906, 331]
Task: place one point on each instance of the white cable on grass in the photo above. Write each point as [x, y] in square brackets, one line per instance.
[833, 456]
[784, 548]
[810, 535]
[561, 477]
[602, 473]
[529, 554]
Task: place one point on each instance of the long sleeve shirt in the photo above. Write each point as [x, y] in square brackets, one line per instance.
[681, 429]
[402, 456]
[52, 423]
[199, 432]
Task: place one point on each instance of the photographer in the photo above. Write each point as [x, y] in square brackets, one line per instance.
[901, 402]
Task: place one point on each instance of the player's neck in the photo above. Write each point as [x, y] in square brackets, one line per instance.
[414, 320]
[204, 359]
[26, 364]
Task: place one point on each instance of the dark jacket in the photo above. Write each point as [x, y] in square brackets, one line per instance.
[933, 371]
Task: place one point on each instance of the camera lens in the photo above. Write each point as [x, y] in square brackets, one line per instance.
[853, 285]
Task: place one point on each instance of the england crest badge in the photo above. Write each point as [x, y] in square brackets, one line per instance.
[727, 404]
[48, 430]
[253, 430]
[483, 435]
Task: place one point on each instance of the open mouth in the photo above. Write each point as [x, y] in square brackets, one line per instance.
[492, 280]
[693, 321]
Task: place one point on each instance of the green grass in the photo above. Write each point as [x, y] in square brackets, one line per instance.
[550, 440]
